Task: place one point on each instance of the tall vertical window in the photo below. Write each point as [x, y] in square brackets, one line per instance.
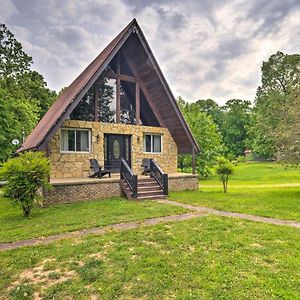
[153, 143]
[75, 140]
[127, 102]
[107, 99]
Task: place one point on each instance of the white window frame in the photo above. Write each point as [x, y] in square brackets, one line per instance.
[161, 143]
[76, 129]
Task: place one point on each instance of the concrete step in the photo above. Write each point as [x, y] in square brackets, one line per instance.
[154, 197]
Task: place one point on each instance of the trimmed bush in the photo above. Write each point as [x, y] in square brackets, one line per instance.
[24, 176]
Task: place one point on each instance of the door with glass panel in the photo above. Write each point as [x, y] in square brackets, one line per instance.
[117, 146]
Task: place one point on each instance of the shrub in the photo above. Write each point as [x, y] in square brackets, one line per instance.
[24, 176]
[224, 168]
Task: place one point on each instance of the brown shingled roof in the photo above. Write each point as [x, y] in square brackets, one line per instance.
[67, 101]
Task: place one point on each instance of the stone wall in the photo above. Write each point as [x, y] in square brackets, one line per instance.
[190, 182]
[67, 192]
[77, 164]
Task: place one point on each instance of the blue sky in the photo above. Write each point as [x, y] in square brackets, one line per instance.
[206, 49]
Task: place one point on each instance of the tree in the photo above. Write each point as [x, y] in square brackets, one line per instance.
[206, 134]
[13, 60]
[212, 109]
[24, 96]
[24, 176]
[236, 120]
[288, 136]
[280, 81]
[224, 168]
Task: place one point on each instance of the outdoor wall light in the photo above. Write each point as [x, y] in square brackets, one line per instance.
[98, 137]
[138, 139]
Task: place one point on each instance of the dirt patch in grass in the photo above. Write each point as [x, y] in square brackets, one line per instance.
[41, 275]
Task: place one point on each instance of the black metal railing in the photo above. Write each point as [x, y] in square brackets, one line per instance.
[159, 176]
[131, 179]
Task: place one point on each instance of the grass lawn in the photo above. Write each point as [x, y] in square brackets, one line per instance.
[257, 174]
[258, 188]
[204, 258]
[70, 217]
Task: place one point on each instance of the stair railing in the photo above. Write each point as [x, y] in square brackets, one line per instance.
[159, 176]
[127, 174]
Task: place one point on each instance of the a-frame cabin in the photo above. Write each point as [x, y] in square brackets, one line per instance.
[119, 107]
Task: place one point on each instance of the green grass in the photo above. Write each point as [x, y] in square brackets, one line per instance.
[281, 203]
[247, 174]
[74, 216]
[204, 258]
[264, 189]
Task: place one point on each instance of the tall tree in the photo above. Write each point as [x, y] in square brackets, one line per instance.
[280, 81]
[24, 96]
[288, 135]
[13, 60]
[206, 134]
[235, 121]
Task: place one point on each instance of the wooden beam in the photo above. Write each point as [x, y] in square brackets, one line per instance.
[118, 100]
[96, 107]
[137, 104]
[194, 160]
[146, 93]
[120, 76]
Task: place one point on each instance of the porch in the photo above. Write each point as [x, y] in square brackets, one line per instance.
[66, 190]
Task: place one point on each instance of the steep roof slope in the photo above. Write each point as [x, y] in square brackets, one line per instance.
[67, 101]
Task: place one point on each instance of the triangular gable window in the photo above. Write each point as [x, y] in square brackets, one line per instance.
[103, 98]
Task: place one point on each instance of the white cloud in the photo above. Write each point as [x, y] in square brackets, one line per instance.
[206, 49]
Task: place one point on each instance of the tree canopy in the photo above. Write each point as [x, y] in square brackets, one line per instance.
[24, 95]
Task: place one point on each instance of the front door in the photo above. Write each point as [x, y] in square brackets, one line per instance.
[117, 146]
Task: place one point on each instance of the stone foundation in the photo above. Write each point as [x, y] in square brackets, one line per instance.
[87, 189]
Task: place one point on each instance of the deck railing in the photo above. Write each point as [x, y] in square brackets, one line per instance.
[127, 174]
[159, 176]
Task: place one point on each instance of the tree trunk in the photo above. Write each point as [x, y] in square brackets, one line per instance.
[26, 211]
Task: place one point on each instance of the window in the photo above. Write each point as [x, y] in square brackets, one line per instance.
[75, 140]
[153, 143]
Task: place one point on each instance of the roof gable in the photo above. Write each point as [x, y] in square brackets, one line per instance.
[169, 114]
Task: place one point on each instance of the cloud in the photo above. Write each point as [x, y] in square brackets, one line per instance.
[206, 49]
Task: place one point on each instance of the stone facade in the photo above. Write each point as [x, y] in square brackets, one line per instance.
[77, 164]
[66, 192]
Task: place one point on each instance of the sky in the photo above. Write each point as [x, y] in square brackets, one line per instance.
[206, 48]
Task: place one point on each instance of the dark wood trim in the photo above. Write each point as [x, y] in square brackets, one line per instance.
[194, 160]
[137, 104]
[145, 91]
[96, 102]
[166, 86]
[118, 90]
[120, 76]
[74, 103]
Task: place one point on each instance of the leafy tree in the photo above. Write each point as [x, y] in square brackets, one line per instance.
[288, 136]
[206, 134]
[280, 81]
[212, 109]
[236, 120]
[24, 176]
[17, 114]
[224, 168]
[24, 96]
[13, 60]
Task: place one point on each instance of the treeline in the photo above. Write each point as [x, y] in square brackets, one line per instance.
[270, 128]
[24, 95]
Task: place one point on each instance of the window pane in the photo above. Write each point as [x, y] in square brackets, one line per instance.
[85, 109]
[107, 99]
[82, 140]
[67, 140]
[147, 143]
[156, 143]
[127, 102]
